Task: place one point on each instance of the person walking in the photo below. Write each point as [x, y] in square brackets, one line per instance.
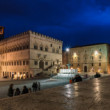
[17, 92]
[10, 90]
[38, 86]
[34, 86]
[25, 90]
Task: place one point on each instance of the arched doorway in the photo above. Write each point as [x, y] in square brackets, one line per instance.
[85, 68]
[41, 64]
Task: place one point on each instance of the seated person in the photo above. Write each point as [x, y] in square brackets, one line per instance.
[77, 78]
[97, 75]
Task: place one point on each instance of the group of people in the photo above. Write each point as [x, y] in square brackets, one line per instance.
[36, 86]
[77, 78]
[97, 75]
[15, 92]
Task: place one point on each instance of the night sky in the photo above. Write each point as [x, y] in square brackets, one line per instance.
[76, 22]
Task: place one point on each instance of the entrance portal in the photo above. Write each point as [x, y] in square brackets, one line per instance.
[85, 68]
[41, 64]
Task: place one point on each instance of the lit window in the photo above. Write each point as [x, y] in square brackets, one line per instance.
[96, 53]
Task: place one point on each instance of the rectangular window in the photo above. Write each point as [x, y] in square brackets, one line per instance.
[27, 62]
[99, 64]
[99, 57]
[15, 63]
[78, 65]
[46, 63]
[35, 46]
[20, 63]
[92, 64]
[35, 63]
[41, 48]
[46, 49]
[23, 62]
[50, 45]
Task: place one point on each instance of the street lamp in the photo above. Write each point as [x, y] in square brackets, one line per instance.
[67, 49]
[96, 53]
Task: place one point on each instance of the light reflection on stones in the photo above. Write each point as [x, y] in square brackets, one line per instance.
[97, 90]
[76, 88]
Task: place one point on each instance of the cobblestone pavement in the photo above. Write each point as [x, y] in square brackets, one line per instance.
[88, 95]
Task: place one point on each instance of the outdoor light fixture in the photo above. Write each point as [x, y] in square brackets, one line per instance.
[67, 49]
[75, 55]
[96, 53]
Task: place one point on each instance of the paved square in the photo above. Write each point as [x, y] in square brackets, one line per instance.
[88, 95]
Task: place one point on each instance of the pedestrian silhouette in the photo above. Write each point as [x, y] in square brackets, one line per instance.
[17, 92]
[25, 90]
[10, 90]
[34, 86]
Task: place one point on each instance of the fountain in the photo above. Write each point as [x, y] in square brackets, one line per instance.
[66, 73]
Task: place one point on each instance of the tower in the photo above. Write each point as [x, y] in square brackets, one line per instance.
[1, 32]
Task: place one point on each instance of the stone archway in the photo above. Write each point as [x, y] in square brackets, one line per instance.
[41, 64]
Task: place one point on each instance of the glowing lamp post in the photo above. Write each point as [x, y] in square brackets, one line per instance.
[96, 53]
[67, 49]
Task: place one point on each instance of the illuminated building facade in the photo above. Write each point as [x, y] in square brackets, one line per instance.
[91, 58]
[29, 53]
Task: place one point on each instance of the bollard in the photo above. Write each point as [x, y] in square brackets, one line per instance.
[70, 81]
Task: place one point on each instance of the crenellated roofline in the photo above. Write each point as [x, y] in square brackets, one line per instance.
[34, 33]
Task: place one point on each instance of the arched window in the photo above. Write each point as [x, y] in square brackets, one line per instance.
[41, 47]
[35, 46]
[46, 49]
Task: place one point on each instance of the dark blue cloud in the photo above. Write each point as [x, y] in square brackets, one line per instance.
[76, 22]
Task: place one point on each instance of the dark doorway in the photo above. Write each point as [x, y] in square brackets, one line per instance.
[41, 64]
[85, 68]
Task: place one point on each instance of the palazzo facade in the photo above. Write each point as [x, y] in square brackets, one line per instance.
[91, 58]
[29, 53]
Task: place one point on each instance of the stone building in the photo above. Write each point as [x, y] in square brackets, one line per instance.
[29, 53]
[91, 58]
